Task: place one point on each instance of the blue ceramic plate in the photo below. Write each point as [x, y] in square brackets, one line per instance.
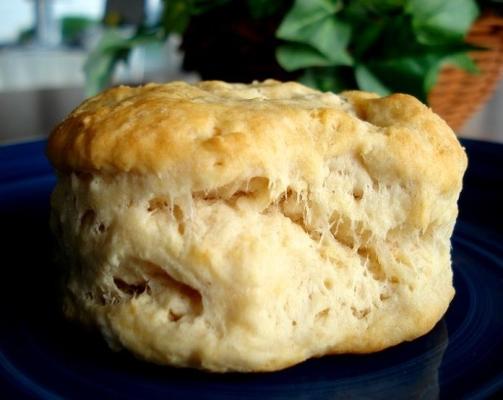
[42, 356]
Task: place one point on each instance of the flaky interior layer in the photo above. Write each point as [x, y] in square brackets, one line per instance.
[256, 274]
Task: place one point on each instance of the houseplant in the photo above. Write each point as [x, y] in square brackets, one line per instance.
[376, 45]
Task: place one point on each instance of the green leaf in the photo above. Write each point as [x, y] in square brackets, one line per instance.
[72, 27]
[99, 70]
[367, 36]
[331, 38]
[101, 61]
[314, 23]
[112, 48]
[294, 56]
[305, 13]
[176, 15]
[394, 40]
[369, 82]
[328, 79]
[203, 6]
[264, 8]
[442, 21]
[309, 78]
[366, 8]
[461, 60]
[405, 74]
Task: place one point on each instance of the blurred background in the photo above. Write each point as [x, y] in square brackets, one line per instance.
[54, 53]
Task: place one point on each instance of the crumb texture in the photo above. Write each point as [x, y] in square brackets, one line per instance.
[250, 227]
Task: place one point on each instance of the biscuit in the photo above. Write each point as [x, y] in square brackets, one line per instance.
[235, 227]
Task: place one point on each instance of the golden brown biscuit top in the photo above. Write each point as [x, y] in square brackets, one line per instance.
[211, 133]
